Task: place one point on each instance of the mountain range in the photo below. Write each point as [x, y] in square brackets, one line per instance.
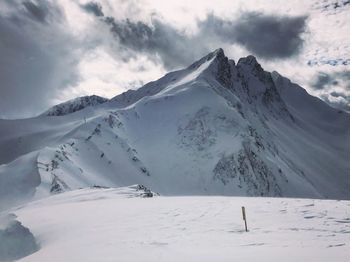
[214, 128]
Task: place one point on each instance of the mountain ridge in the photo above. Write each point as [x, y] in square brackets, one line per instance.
[215, 127]
[75, 104]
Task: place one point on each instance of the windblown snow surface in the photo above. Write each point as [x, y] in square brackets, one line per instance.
[118, 225]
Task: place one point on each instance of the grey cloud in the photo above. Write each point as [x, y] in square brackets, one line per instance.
[42, 11]
[271, 36]
[342, 103]
[93, 8]
[329, 61]
[37, 59]
[266, 36]
[340, 94]
[156, 40]
[346, 76]
[328, 80]
[332, 6]
[323, 80]
[331, 85]
[37, 12]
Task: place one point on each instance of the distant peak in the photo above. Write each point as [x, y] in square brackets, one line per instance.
[74, 105]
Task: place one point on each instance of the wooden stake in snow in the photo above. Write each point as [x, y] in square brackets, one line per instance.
[245, 219]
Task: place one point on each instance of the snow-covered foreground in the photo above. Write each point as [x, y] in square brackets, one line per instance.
[115, 225]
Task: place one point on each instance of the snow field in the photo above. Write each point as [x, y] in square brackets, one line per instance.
[107, 225]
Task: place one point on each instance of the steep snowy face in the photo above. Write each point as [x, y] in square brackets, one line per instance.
[247, 81]
[256, 86]
[174, 79]
[221, 68]
[215, 127]
[74, 105]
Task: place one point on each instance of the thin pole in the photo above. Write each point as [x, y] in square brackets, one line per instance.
[245, 219]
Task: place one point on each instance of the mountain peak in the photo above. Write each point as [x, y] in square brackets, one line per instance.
[250, 64]
[217, 53]
[74, 105]
[248, 60]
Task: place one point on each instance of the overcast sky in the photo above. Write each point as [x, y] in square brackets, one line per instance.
[52, 51]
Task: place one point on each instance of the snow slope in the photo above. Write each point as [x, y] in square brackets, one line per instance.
[115, 225]
[214, 128]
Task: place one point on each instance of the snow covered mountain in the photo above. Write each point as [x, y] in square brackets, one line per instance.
[216, 127]
[74, 105]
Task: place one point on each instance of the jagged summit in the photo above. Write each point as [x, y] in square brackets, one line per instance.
[225, 70]
[250, 63]
[219, 55]
[247, 80]
[248, 60]
[219, 51]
